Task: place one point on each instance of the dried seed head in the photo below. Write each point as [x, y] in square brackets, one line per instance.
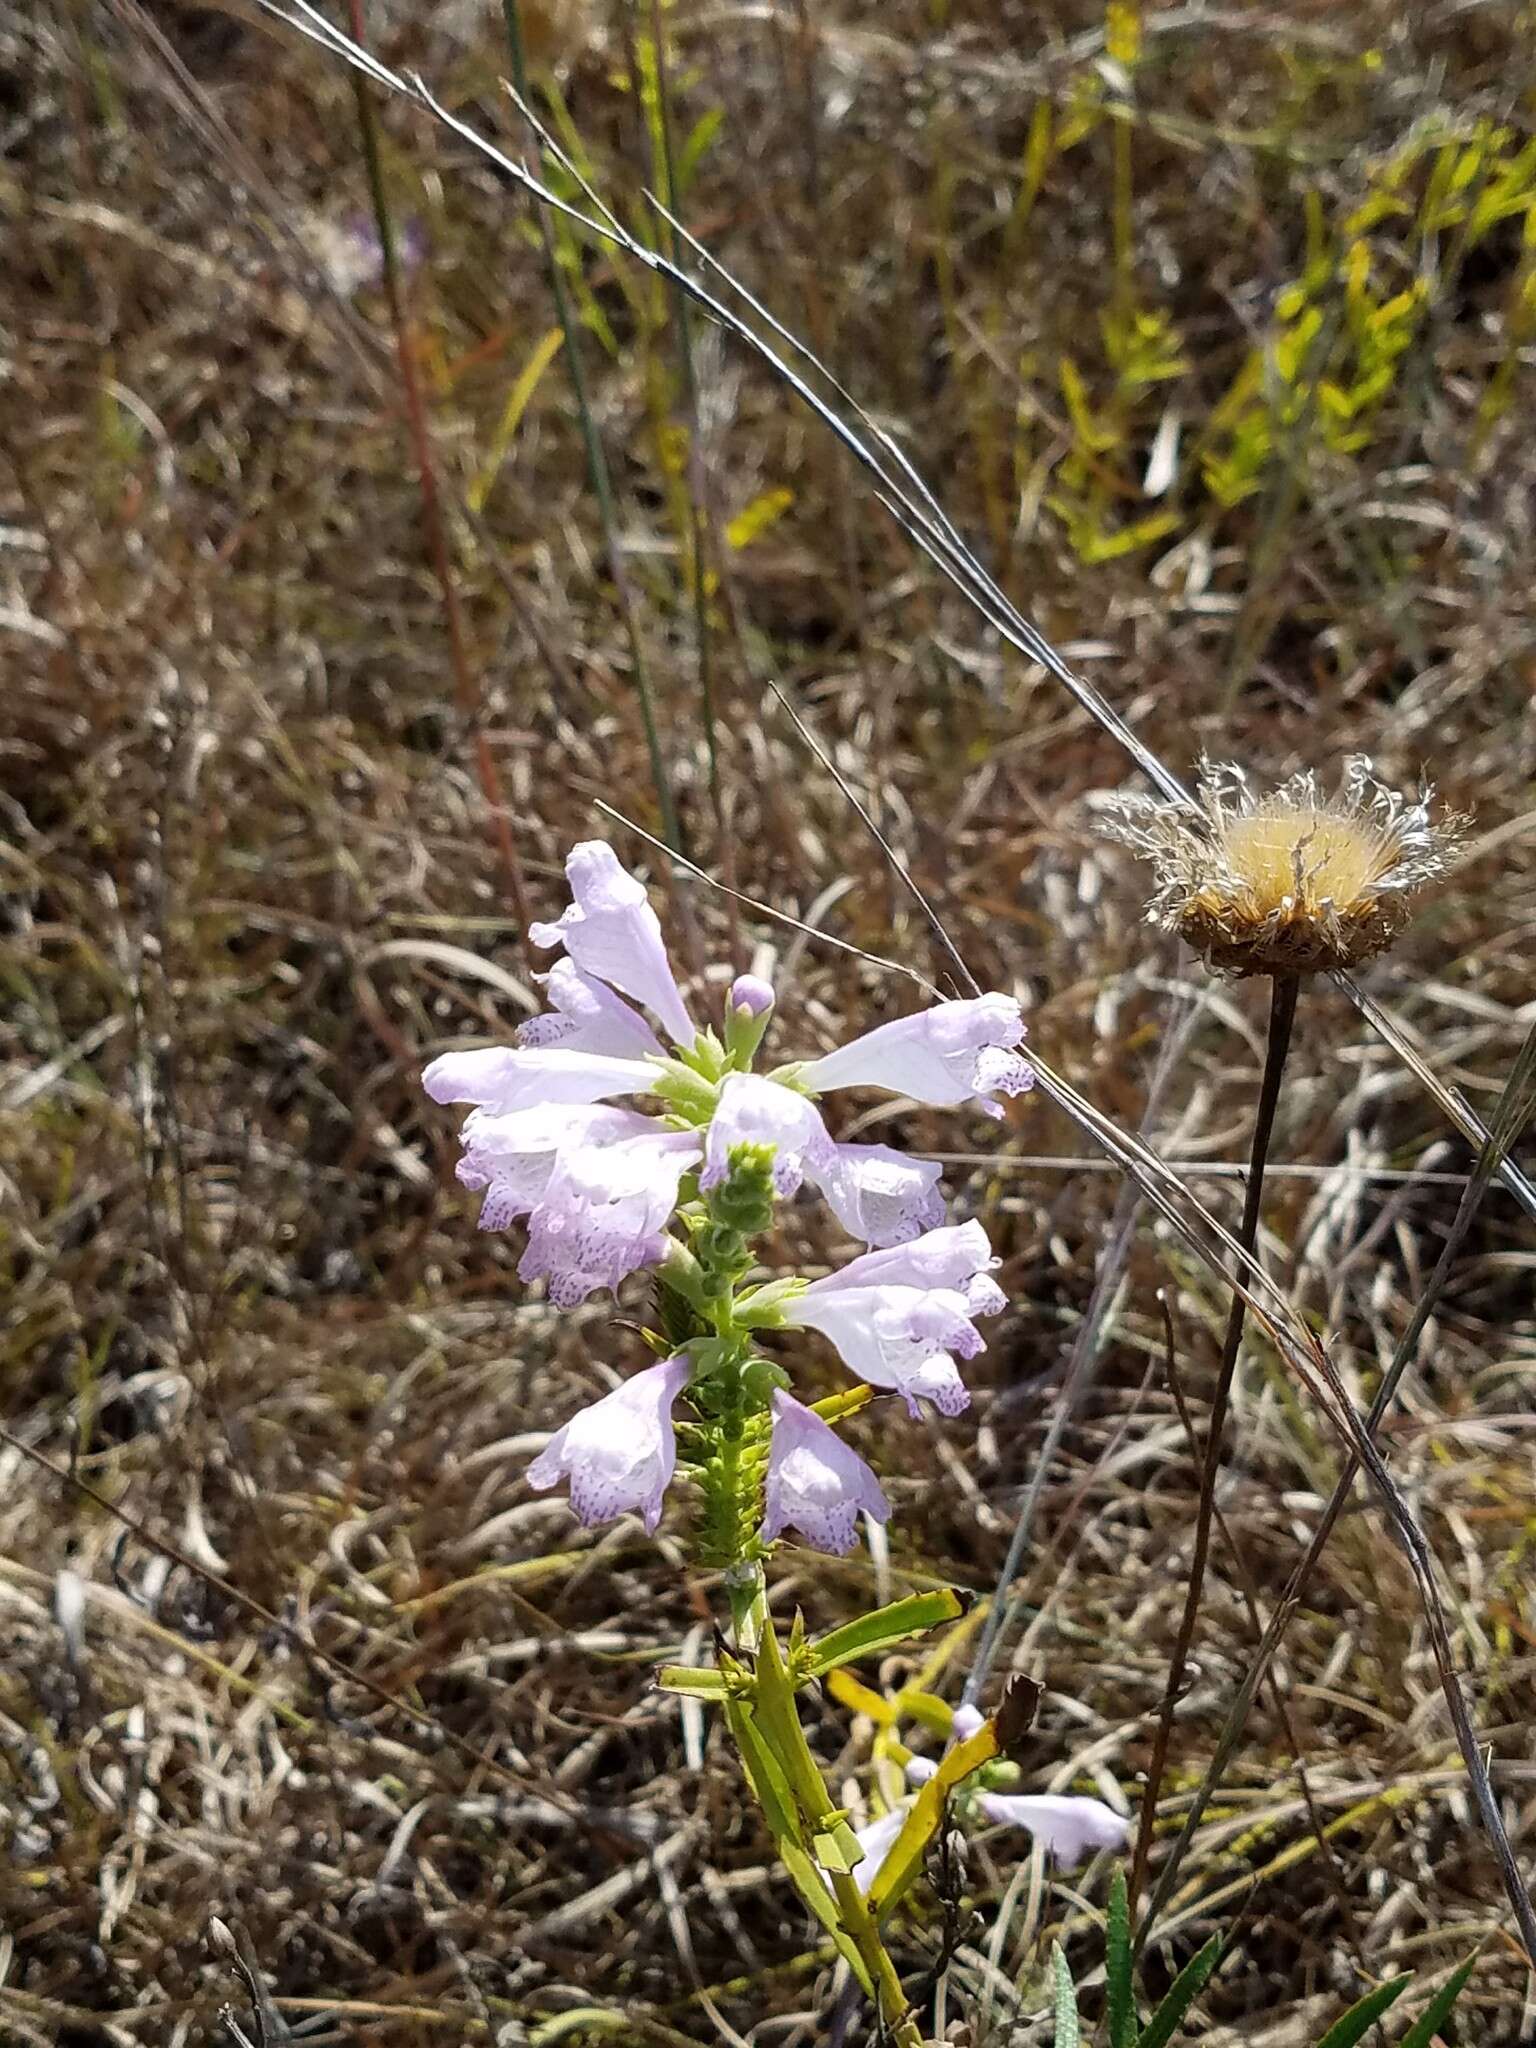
[1291, 882]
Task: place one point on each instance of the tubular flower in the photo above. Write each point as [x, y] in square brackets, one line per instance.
[502, 1078]
[1289, 881]
[514, 1157]
[894, 1327]
[752, 1110]
[1066, 1826]
[881, 1195]
[951, 1053]
[586, 1016]
[618, 1455]
[958, 1256]
[816, 1483]
[611, 931]
[604, 1211]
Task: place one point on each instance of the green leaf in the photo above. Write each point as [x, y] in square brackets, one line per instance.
[1353, 2025]
[1068, 2033]
[904, 1857]
[1185, 1989]
[1438, 2010]
[913, 1616]
[1121, 1997]
[765, 1777]
[808, 1883]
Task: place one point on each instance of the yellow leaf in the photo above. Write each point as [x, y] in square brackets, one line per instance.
[756, 518]
[511, 415]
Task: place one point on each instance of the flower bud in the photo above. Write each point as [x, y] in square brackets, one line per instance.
[748, 1008]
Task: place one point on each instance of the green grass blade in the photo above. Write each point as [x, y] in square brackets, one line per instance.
[1121, 1999]
[1438, 2010]
[1353, 2025]
[1069, 2033]
[1183, 1992]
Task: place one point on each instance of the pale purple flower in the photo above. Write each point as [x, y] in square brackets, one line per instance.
[816, 1483]
[877, 1838]
[947, 1054]
[513, 1157]
[619, 1455]
[899, 1337]
[900, 1315]
[610, 930]
[881, 1195]
[586, 1016]
[604, 1212]
[1067, 1826]
[751, 995]
[755, 1111]
[958, 1256]
[502, 1078]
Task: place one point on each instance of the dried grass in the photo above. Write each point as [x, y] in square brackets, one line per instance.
[249, 886]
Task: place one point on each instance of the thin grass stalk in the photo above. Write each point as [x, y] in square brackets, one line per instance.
[1517, 1105]
[1277, 1697]
[1086, 1348]
[901, 489]
[597, 465]
[1282, 1012]
[466, 688]
[702, 521]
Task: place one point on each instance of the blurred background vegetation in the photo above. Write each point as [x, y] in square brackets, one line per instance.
[1213, 327]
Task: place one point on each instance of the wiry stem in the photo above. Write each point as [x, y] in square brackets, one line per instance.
[1282, 1011]
[466, 687]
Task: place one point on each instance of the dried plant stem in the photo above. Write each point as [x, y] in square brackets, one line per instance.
[1516, 1107]
[466, 688]
[1282, 1011]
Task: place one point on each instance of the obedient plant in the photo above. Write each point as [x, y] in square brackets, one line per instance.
[685, 1189]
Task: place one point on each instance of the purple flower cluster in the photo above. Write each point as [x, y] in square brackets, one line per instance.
[599, 1185]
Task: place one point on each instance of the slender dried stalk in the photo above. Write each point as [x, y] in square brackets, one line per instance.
[1516, 1107]
[466, 688]
[1282, 1012]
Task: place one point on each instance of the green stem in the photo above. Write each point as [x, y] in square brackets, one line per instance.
[779, 1720]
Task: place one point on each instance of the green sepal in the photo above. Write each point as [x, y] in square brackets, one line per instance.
[788, 1076]
[684, 1089]
[870, 1633]
[762, 1308]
